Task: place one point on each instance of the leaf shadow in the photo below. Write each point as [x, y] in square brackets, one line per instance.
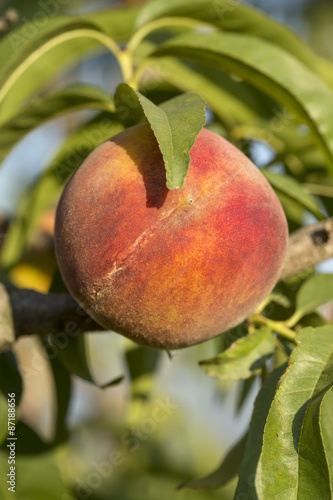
[149, 162]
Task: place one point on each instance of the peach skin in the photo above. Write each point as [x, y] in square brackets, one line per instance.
[169, 268]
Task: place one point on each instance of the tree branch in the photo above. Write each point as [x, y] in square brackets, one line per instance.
[308, 247]
[26, 312]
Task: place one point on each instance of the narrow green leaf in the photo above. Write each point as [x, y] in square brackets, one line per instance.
[113, 382]
[315, 292]
[116, 22]
[243, 358]
[227, 106]
[63, 385]
[228, 469]
[175, 124]
[74, 354]
[142, 363]
[28, 441]
[234, 16]
[294, 190]
[269, 68]
[37, 48]
[245, 388]
[249, 484]
[224, 341]
[287, 419]
[49, 107]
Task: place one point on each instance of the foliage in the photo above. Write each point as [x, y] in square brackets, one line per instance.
[262, 85]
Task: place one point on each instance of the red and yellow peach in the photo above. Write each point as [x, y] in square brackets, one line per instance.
[169, 268]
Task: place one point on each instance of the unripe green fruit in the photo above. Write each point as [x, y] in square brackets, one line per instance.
[166, 268]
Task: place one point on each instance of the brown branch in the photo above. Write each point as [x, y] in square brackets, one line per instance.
[308, 247]
[26, 312]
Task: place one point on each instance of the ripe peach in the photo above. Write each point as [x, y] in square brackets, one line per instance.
[169, 268]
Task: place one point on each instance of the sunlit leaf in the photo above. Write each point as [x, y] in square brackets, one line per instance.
[243, 358]
[46, 108]
[315, 292]
[249, 483]
[314, 476]
[229, 108]
[231, 16]
[326, 424]
[21, 64]
[289, 421]
[175, 124]
[271, 69]
[294, 190]
[115, 22]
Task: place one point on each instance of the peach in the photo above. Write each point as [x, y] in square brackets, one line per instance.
[169, 268]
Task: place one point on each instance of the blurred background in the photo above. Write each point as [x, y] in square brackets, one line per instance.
[202, 420]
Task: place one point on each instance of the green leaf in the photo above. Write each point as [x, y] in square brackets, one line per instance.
[49, 107]
[224, 341]
[10, 378]
[224, 473]
[229, 108]
[175, 124]
[63, 385]
[45, 191]
[315, 292]
[326, 423]
[269, 68]
[231, 16]
[249, 475]
[314, 476]
[28, 441]
[116, 22]
[142, 363]
[22, 65]
[294, 190]
[243, 358]
[245, 388]
[73, 352]
[289, 425]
